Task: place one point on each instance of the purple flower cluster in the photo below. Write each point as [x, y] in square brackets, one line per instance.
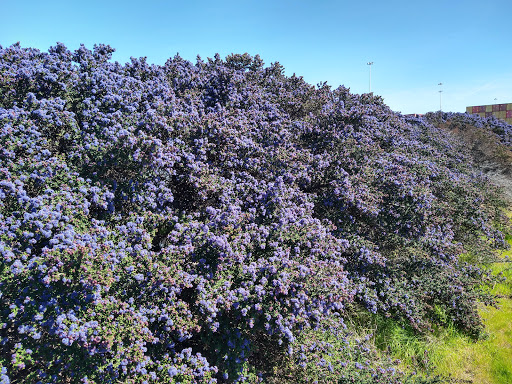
[189, 222]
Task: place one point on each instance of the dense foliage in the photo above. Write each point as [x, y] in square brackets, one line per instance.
[463, 121]
[489, 140]
[221, 222]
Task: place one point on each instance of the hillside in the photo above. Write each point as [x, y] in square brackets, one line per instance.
[222, 222]
[489, 141]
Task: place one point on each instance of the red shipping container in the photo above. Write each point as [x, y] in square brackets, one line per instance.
[482, 108]
[503, 107]
[496, 108]
[475, 109]
[488, 114]
[509, 114]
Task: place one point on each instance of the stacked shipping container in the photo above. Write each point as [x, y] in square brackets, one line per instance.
[501, 111]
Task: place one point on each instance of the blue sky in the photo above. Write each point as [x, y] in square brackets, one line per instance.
[414, 45]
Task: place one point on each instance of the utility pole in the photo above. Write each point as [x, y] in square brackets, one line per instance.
[370, 85]
[440, 92]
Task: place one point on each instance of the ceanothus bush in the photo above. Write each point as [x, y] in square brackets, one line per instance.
[201, 223]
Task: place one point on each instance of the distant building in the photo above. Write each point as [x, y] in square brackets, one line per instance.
[414, 115]
[501, 111]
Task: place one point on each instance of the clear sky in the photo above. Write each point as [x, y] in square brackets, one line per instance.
[414, 45]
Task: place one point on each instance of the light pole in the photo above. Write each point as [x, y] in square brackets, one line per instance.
[370, 85]
[440, 92]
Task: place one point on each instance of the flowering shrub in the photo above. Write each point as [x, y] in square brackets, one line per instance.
[200, 223]
[463, 120]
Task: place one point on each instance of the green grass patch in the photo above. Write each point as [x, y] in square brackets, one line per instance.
[402, 343]
[504, 287]
[453, 355]
[488, 361]
[449, 353]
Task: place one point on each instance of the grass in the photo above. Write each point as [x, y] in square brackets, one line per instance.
[489, 361]
[452, 355]
[448, 353]
[504, 288]
[486, 361]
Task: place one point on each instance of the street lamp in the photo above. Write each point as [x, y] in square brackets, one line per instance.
[440, 91]
[370, 85]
